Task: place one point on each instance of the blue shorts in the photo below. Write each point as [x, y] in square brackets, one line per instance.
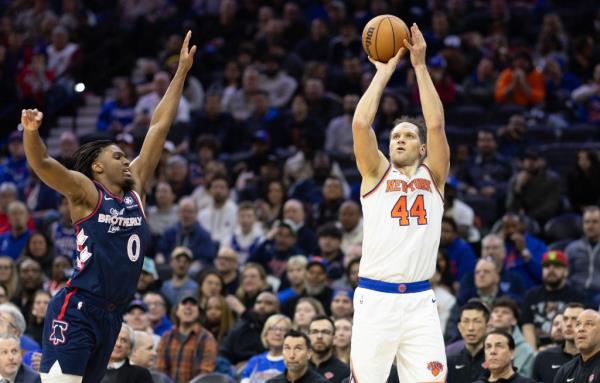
[80, 331]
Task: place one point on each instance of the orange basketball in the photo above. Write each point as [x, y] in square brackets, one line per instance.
[383, 36]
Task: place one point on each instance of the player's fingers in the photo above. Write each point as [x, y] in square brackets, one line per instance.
[186, 41]
[193, 51]
[39, 116]
[408, 45]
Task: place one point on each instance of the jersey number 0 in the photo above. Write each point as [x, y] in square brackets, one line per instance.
[417, 210]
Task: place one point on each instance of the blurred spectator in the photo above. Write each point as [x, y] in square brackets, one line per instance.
[62, 232]
[188, 233]
[253, 281]
[330, 239]
[523, 250]
[279, 245]
[500, 349]
[338, 142]
[213, 121]
[143, 354]
[14, 168]
[346, 44]
[157, 312]
[332, 197]
[13, 322]
[505, 317]
[513, 138]
[392, 108]
[349, 80]
[442, 81]
[200, 193]
[587, 97]
[488, 171]
[164, 214]
[177, 175]
[11, 367]
[583, 181]
[119, 368]
[581, 60]
[210, 284]
[136, 316]
[461, 213]
[230, 84]
[479, 87]
[239, 104]
[180, 283]
[279, 85]
[460, 254]
[68, 143]
[341, 339]
[521, 84]
[247, 234]
[227, 263]
[315, 46]
[295, 273]
[466, 365]
[322, 105]
[315, 286]
[441, 284]
[39, 249]
[321, 333]
[542, 303]
[40, 199]
[149, 280]
[30, 280]
[293, 210]
[188, 349]
[219, 317]
[34, 80]
[350, 223]
[3, 295]
[306, 309]
[535, 190]
[584, 257]
[585, 366]
[61, 270]
[35, 319]
[559, 85]
[270, 363]
[341, 304]
[117, 114]
[220, 217]
[244, 340]
[548, 361]
[270, 208]
[144, 108]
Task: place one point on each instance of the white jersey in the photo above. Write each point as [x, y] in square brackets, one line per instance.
[402, 226]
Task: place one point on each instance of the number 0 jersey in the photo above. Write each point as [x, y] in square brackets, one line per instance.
[402, 226]
[110, 245]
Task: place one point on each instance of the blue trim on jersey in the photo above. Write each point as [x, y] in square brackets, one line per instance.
[394, 288]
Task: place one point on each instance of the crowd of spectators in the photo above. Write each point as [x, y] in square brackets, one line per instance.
[255, 208]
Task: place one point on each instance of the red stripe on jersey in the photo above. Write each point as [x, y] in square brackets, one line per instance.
[63, 309]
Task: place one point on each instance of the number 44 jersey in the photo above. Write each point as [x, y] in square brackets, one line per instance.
[110, 245]
[402, 226]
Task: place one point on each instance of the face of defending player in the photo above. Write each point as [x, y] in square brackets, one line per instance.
[497, 353]
[405, 146]
[10, 357]
[113, 163]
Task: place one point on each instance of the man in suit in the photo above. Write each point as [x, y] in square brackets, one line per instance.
[11, 368]
[119, 368]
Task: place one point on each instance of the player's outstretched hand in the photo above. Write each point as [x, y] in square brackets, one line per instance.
[31, 119]
[418, 46]
[186, 56]
[389, 67]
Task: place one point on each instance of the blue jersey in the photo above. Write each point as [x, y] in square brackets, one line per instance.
[110, 243]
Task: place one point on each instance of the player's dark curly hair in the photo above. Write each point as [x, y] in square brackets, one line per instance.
[87, 154]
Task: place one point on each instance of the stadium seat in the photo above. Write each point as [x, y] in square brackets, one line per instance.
[213, 377]
[565, 226]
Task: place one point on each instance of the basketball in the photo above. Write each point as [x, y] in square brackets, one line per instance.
[383, 36]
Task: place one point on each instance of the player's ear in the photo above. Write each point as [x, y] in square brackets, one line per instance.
[97, 167]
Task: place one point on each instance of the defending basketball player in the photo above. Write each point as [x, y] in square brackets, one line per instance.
[105, 194]
[395, 308]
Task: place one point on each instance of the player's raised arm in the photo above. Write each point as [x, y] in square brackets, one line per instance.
[162, 119]
[438, 152]
[74, 185]
[370, 161]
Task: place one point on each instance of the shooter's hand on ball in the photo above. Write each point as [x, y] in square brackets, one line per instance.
[418, 46]
[389, 67]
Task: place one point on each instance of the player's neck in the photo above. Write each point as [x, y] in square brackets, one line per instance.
[407, 170]
[111, 187]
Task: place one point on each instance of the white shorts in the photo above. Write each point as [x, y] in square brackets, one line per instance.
[405, 326]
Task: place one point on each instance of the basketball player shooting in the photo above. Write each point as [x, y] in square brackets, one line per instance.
[395, 308]
[105, 193]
